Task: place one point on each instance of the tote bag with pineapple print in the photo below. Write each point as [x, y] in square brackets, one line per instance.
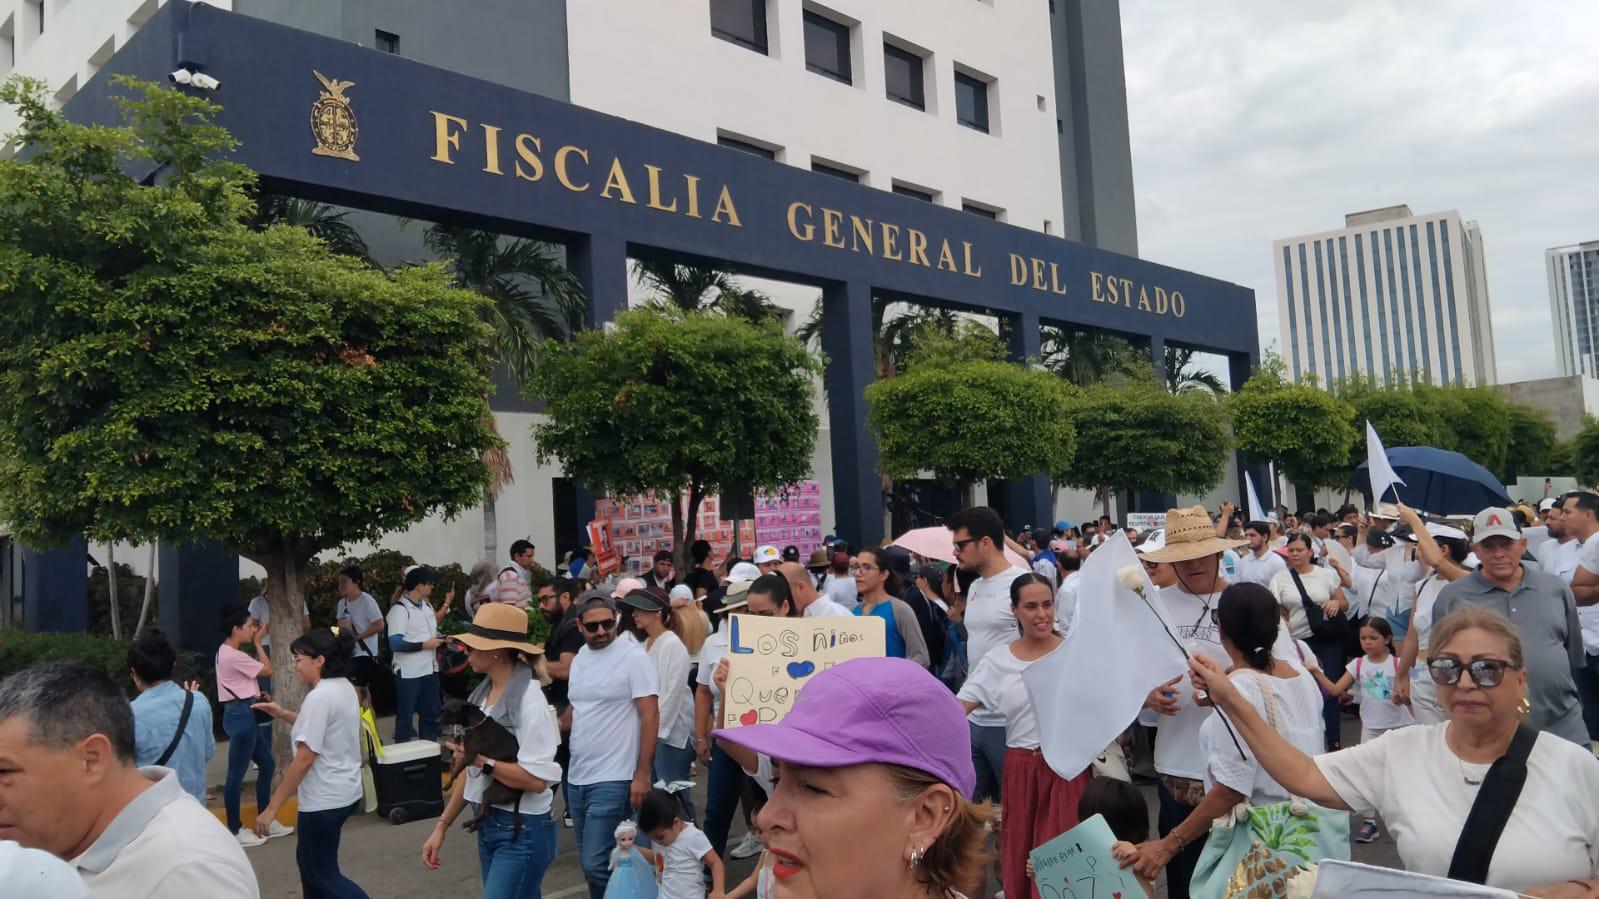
[1254, 851]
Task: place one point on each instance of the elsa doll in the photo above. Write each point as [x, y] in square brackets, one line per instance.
[632, 875]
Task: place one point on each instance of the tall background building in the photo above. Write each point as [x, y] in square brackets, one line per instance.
[1392, 295]
[1012, 111]
[1574, 305]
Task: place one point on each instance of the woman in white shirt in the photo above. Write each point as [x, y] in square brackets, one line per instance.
[1443, 550]
[1324, 588]
[1247, 618]
[515, 839]
[325, 774]
[1425, 779]
[1039, 804]
[674, 737]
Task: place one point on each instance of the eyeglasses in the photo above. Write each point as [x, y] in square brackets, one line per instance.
[961, 544]
[595, 627]
[1485, 673]
[863, 569]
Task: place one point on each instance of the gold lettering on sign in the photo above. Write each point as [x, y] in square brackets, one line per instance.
[655, 189]
[724, 206]
[832, 228]
[562, 174]
[891, 242]
[1018, 270]
[860, 233]
[1095, 282]
[1054, 279]
[617, 181]
[800, 232]
[491, 150]
[692, 182]
[444, 138]
[966, 261]
[1131, 294]
[528, 149]
[1038, 273]
[946, 259]
[918, 247]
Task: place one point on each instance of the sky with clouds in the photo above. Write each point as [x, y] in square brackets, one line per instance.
[1254, 120]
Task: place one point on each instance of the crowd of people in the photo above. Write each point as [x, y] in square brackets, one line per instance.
[1472, 649]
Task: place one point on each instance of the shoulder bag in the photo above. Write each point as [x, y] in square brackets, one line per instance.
[183, 722]
[1491, 810]
[1329, 628]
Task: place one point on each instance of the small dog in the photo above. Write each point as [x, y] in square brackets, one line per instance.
[481, 735]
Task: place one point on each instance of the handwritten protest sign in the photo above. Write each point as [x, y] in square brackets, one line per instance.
[1078, 865]
[769, 659]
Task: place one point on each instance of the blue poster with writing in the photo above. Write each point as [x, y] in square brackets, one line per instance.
[1078, 865]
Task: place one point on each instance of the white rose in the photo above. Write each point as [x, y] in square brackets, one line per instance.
[1132, 577]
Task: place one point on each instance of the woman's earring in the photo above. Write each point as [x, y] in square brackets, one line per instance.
[1524, 708]
[916, 856]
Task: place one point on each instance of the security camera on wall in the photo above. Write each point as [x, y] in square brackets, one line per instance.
[194, 79]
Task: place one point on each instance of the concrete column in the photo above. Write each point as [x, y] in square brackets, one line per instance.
[1026, 499]
[1150, 500]
[55, 588]
[1239, 367]
[599, 262]
[847, 339]
[196, 582]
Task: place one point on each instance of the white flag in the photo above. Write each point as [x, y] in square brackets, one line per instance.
[1121, 646]
[1339, 879]
[1256, 511]
[1382, 473]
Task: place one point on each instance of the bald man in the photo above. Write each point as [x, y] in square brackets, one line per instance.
[810, 603]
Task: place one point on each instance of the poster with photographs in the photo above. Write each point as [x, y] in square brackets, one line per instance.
[791, 518]
[639, 526]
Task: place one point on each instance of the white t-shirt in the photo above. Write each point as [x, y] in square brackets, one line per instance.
[711, 654]
[330, 724]
[363, 613]
[36, 874]
[1259, 569]
[825, 607]
[1320, 584]
[1393, 581]
[1420, 788]
[415, 623]
[537, 738]
[1374, 682]
[681, 877]
[990, 624]
[842, 589]
[261, 610]
[605, 723]
[677, 703]
[996, 683]
[1587, 557]
[1298, 708]
[1066, 602]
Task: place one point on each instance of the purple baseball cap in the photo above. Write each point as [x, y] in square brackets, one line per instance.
[885, 710]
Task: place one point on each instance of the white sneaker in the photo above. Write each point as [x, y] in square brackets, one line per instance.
[276, 829]
[248, 839]
[749, 847]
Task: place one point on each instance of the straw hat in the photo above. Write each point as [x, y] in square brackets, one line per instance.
[1190, 534]
[498, 625]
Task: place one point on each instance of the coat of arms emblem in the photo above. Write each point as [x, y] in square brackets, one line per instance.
[333, 121]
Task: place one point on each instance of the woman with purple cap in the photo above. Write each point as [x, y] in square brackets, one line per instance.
[872, 778]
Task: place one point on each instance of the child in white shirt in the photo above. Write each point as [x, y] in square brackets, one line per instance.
[1373, 676]
[683, 847]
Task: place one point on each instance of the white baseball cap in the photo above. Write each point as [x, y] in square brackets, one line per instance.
[767, 554]
[681, 595]
[1547, 504]
[743, 573]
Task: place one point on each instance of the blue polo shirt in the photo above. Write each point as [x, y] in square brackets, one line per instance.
[155, 720]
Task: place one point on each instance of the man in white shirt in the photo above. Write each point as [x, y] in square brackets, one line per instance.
[1579, 520]
[979, 537]
[71, 788]
[1260, 564]
[810, 603]
[358, 612]
[615, 716]
[413, 636]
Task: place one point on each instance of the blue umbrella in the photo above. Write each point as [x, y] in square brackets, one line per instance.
[1438, 481]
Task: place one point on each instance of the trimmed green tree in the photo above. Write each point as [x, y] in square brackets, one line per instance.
[1140, 437]
[961, 412]
[1532, 443]
[674, 403]
[1400, 415]
[165, 371]
[1303, 430]
[1584, 452]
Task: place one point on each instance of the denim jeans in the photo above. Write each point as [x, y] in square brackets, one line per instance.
[672, 764]
[1180, 870]
[247, 742]
[513, 861]
[419, 696]
[1587, 678]
[317, 852]
[988, 757]
[596, 810]
[723, 778]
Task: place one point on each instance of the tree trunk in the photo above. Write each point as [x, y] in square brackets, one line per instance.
[1104, 501]
[285, 565]
[1054, 504]
[111, 588]
[967, 493]
[491, 528]
[149, 589]
[683, 531]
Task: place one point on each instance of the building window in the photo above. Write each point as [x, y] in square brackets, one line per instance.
[983, 211]
[835, 171]
[971, 102]
[1060, 127]
[741, 22]
[902, 72]
[733, 143]
[908, 191]
[827, 48]
[386, 41]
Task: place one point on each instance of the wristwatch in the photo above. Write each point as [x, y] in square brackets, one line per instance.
[488, 769]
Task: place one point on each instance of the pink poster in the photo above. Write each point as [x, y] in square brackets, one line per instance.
[640, 526]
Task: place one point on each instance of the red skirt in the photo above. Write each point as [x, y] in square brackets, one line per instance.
[1038, 806]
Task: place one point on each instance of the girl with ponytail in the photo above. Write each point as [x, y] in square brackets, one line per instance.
[325, 774]
[1283, 692]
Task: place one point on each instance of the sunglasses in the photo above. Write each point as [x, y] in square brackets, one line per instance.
[1485, 673]
[595, 627]
[961, 544]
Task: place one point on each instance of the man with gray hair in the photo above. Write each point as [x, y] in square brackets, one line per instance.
[72, 789]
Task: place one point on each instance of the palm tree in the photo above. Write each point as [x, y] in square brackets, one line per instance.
[1082, 357]
[894, 327]
[532, 297]
[1183, 376]
[693, 288]
[324, 222]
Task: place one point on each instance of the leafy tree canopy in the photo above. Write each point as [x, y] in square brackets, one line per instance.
[1532, 443]
[1399, 413]
[1303, 429]
[1584, 452]
[960, 412]
[1141, 437]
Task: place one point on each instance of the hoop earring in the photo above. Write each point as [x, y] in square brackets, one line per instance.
[1524, 707]
[916, 857]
